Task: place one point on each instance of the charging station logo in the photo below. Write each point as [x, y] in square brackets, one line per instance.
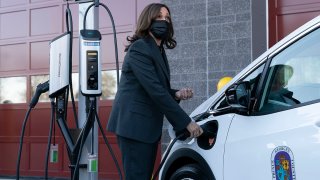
[91, 43]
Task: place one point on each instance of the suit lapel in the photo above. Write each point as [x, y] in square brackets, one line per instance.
[159, 59]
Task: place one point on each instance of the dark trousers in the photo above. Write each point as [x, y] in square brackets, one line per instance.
[138, 158]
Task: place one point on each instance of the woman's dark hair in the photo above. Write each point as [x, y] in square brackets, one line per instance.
[147, 16]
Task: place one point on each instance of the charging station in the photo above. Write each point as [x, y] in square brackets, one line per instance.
[90, 65]
[92, 140]
[59, 64]
[82, 141]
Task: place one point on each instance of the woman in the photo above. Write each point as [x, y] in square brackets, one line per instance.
[144, 94]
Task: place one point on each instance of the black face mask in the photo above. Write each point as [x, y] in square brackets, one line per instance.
[160, 29]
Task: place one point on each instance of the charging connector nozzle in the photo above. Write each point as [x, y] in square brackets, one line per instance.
[182, 135]
[207, 128]
[41, 88]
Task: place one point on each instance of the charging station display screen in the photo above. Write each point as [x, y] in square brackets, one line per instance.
[92, 54]
[92, 70]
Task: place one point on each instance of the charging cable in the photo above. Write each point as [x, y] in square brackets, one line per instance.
[70, 30]
[184, 135]
[41, 88]
[97, 4]
[76, 168]
[69, 26]
[108, 145]
[49, 137]
[21, 142]
[91, 115]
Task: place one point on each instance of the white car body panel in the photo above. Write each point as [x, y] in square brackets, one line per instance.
[251, 151]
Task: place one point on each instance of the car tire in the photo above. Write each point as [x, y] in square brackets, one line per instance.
[189, 172]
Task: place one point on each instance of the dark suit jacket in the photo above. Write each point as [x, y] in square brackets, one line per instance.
[144, 95]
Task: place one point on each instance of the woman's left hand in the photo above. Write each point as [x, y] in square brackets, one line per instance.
[184, 94]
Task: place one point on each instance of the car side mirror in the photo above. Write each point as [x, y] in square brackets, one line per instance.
[237, 99]
[238, 96]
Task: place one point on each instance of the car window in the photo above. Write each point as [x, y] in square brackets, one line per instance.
[253, 78]
[293, 76]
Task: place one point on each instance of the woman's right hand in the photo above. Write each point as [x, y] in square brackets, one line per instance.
[184, 94]
[194, 129]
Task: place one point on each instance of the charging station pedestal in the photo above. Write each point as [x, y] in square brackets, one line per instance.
[83, 104]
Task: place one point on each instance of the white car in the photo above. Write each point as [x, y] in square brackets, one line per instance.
[265, 122]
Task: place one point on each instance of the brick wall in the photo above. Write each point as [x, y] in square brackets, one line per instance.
[214, 40]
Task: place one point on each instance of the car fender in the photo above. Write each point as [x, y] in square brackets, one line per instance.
[182, 157]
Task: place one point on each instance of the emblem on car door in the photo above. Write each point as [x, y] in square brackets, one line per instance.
[282, 164]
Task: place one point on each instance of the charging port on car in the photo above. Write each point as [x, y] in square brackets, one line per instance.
[207, 140]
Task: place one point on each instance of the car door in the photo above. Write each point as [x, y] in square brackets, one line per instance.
[214, 154]
[280, 139]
